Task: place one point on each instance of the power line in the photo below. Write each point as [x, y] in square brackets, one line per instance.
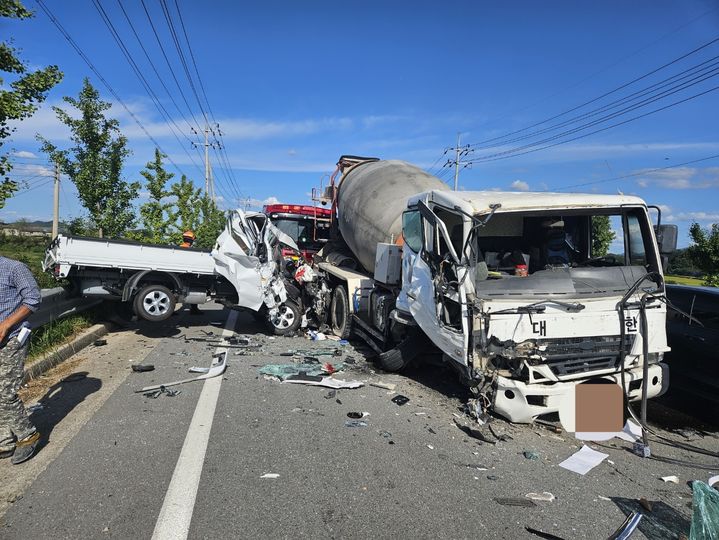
[515, 153]
[152, 64]
[610, 92]
[135, 68]
[169, 65]
[697, 72]
[641, 173]
[110, 89]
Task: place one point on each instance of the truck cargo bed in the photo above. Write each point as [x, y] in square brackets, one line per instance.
[68, 251]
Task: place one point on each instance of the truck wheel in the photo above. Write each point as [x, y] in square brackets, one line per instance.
[154, 303]
[399, 358]
[340, 320]
[287, 319]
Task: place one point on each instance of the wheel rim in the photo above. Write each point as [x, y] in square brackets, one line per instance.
[338, 313]
[156, 303]
[285, 317]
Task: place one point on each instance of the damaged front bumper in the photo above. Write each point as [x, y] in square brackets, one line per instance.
[520, 402]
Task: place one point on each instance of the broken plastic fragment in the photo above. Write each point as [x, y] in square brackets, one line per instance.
[355, 414]
[673, 479]
[355, 423]
[270, 475]
[530, 454]
[544, 496]
[713, 480]
[386, 386]
[400, 400]
[138, 368]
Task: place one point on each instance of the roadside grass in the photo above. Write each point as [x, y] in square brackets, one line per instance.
[31, 252]
[57, 333]
[684, 280]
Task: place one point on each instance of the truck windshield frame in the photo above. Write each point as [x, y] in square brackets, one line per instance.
[554, 252]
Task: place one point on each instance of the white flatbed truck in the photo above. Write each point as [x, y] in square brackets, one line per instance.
[240, 271]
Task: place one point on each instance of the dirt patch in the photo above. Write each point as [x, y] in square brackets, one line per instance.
[36, 388]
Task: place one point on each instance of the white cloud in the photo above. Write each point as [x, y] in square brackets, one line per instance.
[710, 217]
[680, 178]
[520, 185]
[25, 154]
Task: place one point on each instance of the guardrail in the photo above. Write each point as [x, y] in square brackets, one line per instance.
[57, 303]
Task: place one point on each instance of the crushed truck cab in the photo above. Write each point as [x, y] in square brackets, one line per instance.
[508, 286]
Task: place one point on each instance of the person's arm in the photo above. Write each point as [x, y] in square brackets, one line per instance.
[29, 292]
[16, 317]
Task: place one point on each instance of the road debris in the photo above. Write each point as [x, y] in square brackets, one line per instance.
[328, 382]
[154, 394]
[673, 479]
[646, 504]
[542, 534]
[713, 480]
[270, 475]
[473, 432]
[583, 461]
[286, 371]
[99, 342]
[386, 386]
[355, 414]
[400, 400]
[355, 423]
[705, 516]
[35, 407]
[544, 496]
[514, 501]
[218, 367]
[195, 369]
[140, 368]
[626, 529]
[530, 454]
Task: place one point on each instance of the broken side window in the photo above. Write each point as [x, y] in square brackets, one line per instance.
[412, 230]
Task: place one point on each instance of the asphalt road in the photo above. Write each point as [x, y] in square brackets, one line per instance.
[192, 465]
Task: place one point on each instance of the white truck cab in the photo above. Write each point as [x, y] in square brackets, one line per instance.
[521, 294]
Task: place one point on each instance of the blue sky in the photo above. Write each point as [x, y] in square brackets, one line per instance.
[295, 86]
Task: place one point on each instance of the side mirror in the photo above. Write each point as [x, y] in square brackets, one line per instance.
[667, 238]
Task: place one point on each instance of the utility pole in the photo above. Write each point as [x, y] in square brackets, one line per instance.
[209, 181]
[459, 151]
[56, 202]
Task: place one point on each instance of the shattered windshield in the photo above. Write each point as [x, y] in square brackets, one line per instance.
[570, 253]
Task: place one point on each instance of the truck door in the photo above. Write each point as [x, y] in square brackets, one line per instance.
[434, 285]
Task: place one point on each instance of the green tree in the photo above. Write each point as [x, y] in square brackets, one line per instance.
[194, 211]
[26, 91]
[155, 213]
[602, 235]
[95, 163]
[185, 214]
[705, 252]
[212, 222]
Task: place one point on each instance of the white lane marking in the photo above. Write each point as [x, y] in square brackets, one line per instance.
[173, 523]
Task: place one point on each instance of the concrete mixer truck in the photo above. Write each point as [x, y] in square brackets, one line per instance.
[518, 291]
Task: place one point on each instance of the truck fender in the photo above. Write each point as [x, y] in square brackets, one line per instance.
[131, 285]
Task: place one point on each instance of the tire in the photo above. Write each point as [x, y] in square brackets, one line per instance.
[340, 319]
[287, 320]
[154, 303]
[399, 358]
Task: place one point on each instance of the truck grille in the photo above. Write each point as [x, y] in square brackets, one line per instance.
[569, 356]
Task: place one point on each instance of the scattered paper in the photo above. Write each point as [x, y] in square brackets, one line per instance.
[270, 475]
[713, 480]
[673, 479]
[631, 433]
[328, 382]
[583, 461]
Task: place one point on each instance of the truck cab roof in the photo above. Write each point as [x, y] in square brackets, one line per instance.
[478, 202]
